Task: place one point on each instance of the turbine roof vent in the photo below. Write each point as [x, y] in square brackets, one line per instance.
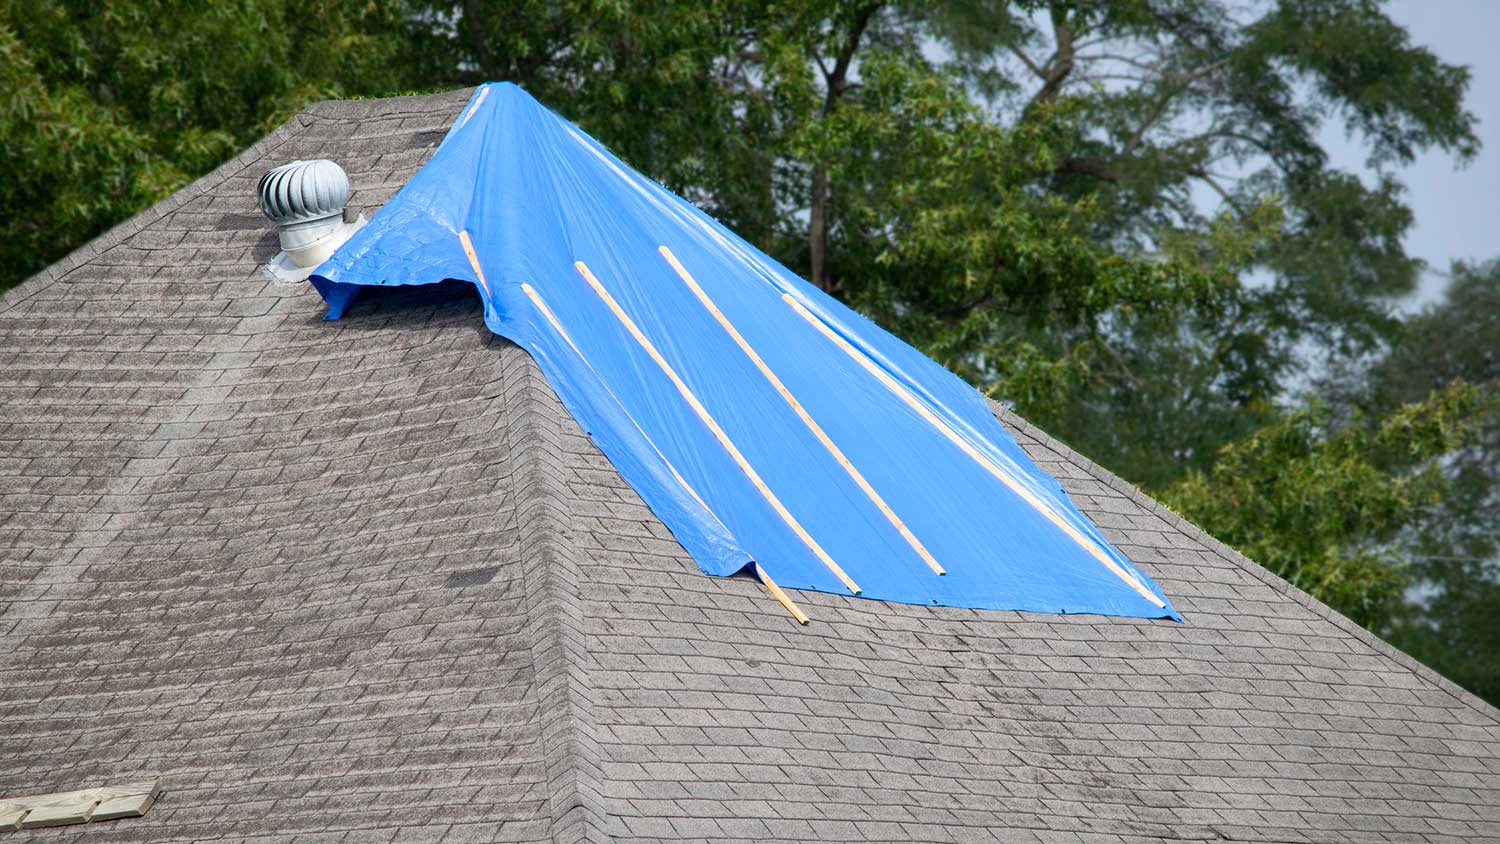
[305, 199]
[303, 191]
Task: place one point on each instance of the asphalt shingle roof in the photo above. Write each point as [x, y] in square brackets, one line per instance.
[367, 580]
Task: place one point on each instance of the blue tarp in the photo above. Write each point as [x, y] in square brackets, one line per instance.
[759, 418]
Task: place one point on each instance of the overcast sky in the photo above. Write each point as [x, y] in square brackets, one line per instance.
[1457, 210]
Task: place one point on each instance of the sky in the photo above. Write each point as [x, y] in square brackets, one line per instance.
[1457, 208]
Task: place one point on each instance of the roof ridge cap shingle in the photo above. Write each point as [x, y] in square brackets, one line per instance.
[335, 109]
[1256, 570]
[550, 574]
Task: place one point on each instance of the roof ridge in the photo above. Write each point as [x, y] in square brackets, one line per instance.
[550, 576]
[1256, 570]
[338, 109]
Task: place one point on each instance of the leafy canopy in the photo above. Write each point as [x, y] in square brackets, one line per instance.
[1453, 620]
[107, 107]
[1322, 505]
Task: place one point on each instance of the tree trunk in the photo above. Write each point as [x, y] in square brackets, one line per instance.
[479, 41]
[836, 82]
[817, 230]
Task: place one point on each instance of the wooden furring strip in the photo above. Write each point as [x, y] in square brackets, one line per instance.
[463, 237]
[984, 461]
[812, 425]
[713, 427]
[541, 305]
[780, 595]
[536, 299]
[776, 591]
[478, 101]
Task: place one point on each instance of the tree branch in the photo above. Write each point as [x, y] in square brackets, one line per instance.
[1091, 165]
[1233, 135]
[1119, 359]
[1160, 106]
[1208, 179]
[1021, 54]
[1132, 61]
[1060, 65]
[1088, 76]
[837, 80]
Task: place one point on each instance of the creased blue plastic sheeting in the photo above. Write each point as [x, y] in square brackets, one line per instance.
[938, 478]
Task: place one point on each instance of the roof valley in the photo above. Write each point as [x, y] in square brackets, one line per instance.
[550, 574]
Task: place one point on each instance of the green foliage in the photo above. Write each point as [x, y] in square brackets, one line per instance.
[1321, 505]
[947, 235]
[107, 107]
[1452, 621]
[1451, 625]
[644, 76]
[1181, 99]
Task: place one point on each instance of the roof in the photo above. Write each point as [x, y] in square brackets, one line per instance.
[367, 580]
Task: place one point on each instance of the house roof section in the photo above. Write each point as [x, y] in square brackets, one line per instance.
[760, 418]
[367, 580]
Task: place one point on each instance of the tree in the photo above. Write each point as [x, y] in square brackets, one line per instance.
[1451, 620]
[766, 116]
[1184, 99]
[952, 241]
[107, 107]
[1115, 117]
[1325, 505]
